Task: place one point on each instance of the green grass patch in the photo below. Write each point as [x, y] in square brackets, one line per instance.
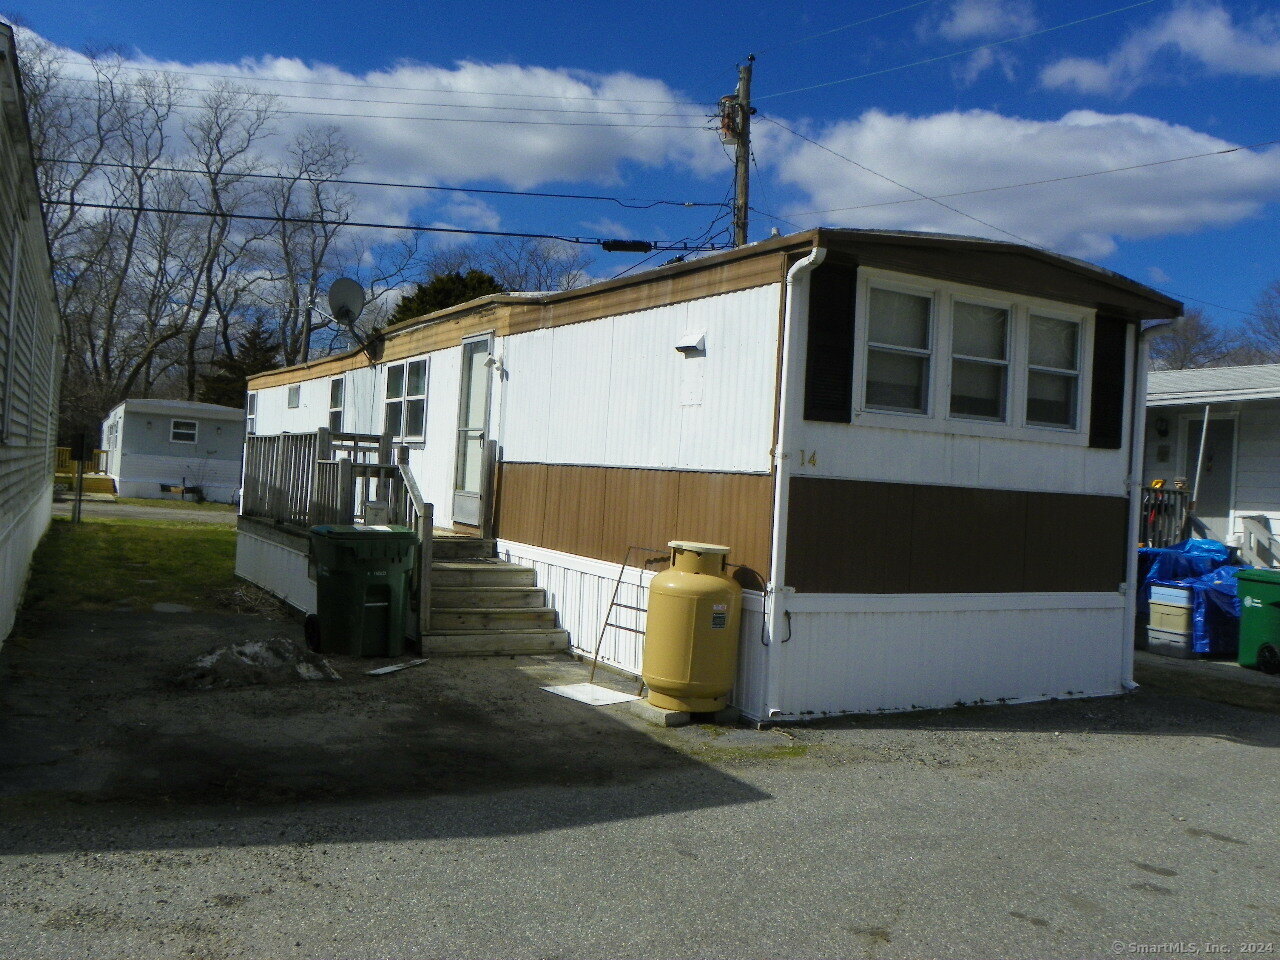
[108, 563]
[207, 506]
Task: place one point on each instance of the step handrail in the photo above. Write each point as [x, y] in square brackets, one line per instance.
[1259, 546]
[425, 524]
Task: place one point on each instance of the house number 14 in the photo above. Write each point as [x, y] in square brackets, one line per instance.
[809, 458]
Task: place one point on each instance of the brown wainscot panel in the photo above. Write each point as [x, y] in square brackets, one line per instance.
[600, 511]
[855, 536]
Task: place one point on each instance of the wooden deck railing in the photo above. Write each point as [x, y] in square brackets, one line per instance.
[306, 479]
[64, 464]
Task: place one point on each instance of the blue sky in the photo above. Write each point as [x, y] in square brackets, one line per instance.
[1162, 80]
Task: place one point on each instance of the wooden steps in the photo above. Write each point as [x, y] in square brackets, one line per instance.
[483, 606]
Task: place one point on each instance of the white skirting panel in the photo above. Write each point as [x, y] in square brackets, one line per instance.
[874, 654]
[580, 588]
[276, 568]
[18, 539]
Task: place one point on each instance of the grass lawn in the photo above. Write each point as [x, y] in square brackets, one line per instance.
[178, 504]
[106, 563]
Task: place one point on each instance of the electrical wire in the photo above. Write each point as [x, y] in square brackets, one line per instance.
[897, 183]
[957, 53]
[414, 228]
[360, 86]
[703, 238]
[847, 26]
[398, 116]
[1036, 183]
[628, 202]
[406, 103]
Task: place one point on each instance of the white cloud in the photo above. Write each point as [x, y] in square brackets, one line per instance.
[983, 19]
[517, 127]
[961, 151]
[1205, 33]
[1158, 277]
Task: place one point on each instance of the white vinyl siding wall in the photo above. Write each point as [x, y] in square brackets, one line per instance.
[30, 357]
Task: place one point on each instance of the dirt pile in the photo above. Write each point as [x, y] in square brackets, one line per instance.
[274, 660]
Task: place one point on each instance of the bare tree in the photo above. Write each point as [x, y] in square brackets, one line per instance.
[1194, 341]
[529, 264]
[1262, 329]
[300, 249]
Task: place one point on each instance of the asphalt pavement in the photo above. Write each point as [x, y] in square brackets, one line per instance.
[458, 810]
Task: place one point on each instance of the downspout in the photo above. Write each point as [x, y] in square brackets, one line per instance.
[1137, 455]
[795, 328]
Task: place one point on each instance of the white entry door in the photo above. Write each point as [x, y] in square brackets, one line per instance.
[1217, 481]
[473, 428]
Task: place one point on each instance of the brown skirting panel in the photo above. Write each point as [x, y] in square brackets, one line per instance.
[855, 536]
[599, 511]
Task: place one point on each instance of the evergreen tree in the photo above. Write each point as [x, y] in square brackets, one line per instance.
[446, 290]
[257, 351]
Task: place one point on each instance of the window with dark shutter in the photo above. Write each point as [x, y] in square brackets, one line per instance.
[1106, 414]
[828, 375]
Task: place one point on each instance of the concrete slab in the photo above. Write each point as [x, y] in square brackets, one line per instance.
[647, 712]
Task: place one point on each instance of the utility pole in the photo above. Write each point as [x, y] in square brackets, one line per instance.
[735, 128]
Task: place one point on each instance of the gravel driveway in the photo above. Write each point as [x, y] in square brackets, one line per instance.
[455, 809]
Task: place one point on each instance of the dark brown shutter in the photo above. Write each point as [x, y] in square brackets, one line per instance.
[828, 372]
[1106, 416]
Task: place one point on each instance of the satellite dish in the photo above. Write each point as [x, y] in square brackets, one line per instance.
[346, 300]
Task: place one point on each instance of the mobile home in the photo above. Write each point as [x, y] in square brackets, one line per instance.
[1236, 412]
[168, 449]
[922, 450]
[30, 347]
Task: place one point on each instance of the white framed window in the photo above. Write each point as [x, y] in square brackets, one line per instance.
[250, 413]
[979, 361]
[336, 389]
[294, 397]
[899, 350]
[1053, 371]
[949, 357]
[183, 431]
[405, 405]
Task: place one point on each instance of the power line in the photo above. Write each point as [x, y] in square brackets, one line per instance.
[896, 183]
[629, 203]
[414, 228]
[394, 116]
[957, 53]
[406, 103]
[362, 86]
[847, 26]
[1037, 183]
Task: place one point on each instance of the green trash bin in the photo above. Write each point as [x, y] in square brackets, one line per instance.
[363, 577]
[1259, 619]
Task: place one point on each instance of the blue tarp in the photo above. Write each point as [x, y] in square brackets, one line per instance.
[1206, 568]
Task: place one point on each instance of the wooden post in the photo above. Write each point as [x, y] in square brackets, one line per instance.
[384, 449]
[346, 492]
[488, 465]
[426, 533]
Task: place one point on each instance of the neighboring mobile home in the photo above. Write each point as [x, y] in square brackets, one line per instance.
[920, 449]
[158, 448]
[1239, 494]
[30, 347]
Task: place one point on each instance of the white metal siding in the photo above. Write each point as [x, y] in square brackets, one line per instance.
[580, 588]
[616, 392]
[30, 357]
[361, 405]
[219, 478]
[917, 652]
[277, 569]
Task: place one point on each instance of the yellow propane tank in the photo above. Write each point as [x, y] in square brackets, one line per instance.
[691, 636]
